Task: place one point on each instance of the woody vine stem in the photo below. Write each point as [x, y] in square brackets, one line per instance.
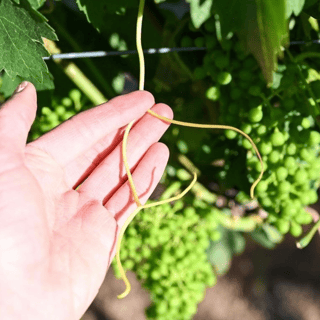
[124, 154]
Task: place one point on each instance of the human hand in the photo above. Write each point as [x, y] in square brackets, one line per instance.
[56, 243]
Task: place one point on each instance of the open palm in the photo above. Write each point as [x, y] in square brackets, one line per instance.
[56, 242]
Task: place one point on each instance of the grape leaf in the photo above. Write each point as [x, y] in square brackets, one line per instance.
[9, 85]
[294, 6]
[200, 11]
[312, 8]
[22, 48]
[96, 11]
[35, 4]
[261, 26]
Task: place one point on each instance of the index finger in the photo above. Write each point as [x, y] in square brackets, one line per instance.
[81, 132]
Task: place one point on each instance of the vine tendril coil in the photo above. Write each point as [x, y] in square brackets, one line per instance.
[124, 144]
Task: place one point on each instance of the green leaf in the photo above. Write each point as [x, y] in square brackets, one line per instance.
[97, 11]
[220, 256]
[21, 32]
[200, 11]
[220, 253]
[267, 235]
[312, 8]
[9, 85]
[261, 26]
[294, 6]
[35, 4]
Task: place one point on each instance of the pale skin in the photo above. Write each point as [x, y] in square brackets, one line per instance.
[57, 243]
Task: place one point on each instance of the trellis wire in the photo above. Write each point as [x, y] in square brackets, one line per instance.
[96, 54]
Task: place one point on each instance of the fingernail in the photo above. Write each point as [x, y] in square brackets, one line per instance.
[21, 86]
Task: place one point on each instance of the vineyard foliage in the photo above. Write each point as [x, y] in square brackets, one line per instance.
[258, 71]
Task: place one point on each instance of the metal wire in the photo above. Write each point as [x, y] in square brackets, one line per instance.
[95, 54]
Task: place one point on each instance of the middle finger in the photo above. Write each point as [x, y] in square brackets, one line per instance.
[110, 174]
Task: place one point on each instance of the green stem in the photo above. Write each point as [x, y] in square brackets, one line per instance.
[306, 239]
[90, 64]
[245, 224]
[84, 84]
[306, 55]
[76, 75]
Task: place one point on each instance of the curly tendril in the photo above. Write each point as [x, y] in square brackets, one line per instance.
[124, 144]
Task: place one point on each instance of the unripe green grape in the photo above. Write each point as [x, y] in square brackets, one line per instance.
[262, 186]
[284, 187]
[274, 156]
[246, 128]
[75, 94]
[303, 217]
[290, 162]
[128, 264]
[313, 196]
[256, 114]
[245, 75]
[272, 218]
[306, 123]
[281, 173]
[255, 91]
[305, 198]
[266, 202]
[235, 93]
[230, 134]
[46, 111]
[162, 307]
[213, 93]
[291, 149]
[289, 104]
[277, 138]
[60, 110]
[282, 225]
[314, 138]
[199, 73]
[215, 235]
[182, 146]
[210, 41]
[224, 78]
[199, 42]
[265, 147]
[246, 144]
[67, 115]
[300, 176]
[53, 118]
[146, 252]
[307, 155]
[295, 229]
[313, 173]
[66, 102]
[258, 166]
[261, 130]
[186, 41]
[221, 60]
[288, 211]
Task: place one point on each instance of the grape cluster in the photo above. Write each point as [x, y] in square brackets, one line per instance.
[60, 111]
[166, 248]
[277, 119]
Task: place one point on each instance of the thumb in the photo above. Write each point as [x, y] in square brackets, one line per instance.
[17, 116]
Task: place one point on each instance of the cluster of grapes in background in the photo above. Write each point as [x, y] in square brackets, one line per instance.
[277, 118]
[60, 110]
